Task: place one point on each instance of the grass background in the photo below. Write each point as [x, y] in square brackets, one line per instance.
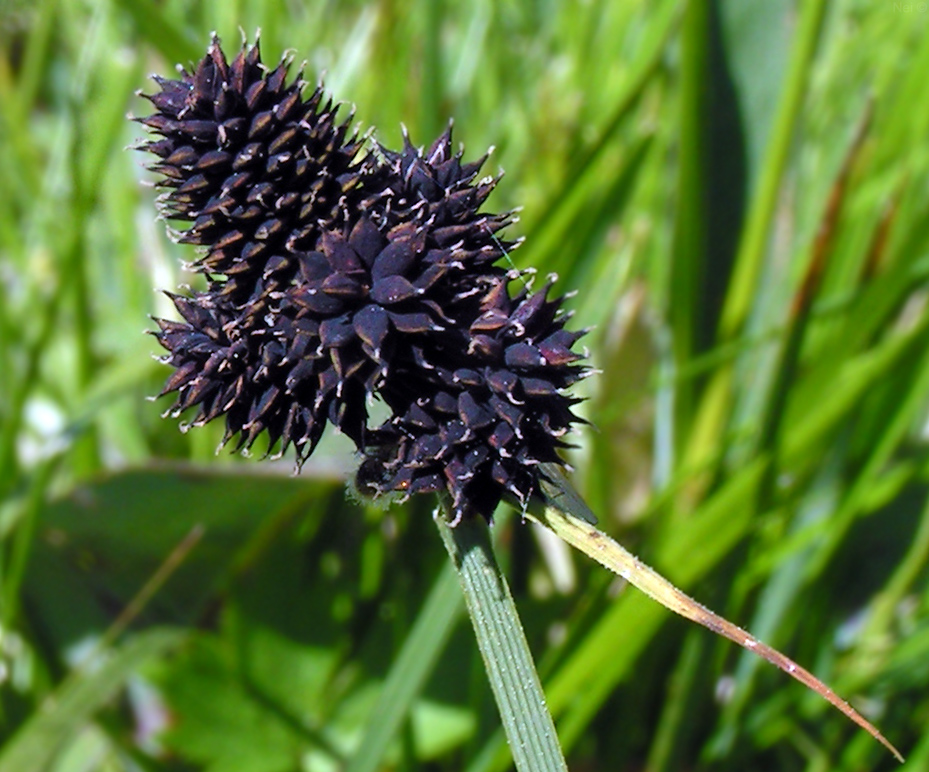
[738, 191]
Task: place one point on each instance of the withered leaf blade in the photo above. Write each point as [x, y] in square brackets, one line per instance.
[558, 514]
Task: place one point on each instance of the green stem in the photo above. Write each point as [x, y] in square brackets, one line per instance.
[528, 724]
[689, 245]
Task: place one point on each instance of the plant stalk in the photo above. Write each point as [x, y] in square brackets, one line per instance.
[527, 723]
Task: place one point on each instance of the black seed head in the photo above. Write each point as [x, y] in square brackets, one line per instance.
[444, 196]
[257, 170]
[227, 366]
[477, 419]
[334, 279]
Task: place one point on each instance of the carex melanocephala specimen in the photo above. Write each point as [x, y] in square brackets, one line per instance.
[336, 274]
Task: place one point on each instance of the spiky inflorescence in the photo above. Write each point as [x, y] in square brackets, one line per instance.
[436, 190]
[333, 279]
[477, 419]
[360, 305]
[225, 367]
[257, 169]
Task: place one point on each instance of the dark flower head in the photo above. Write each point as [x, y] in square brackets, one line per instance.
[261, 379]
[360, 305]
[442, 196]
[478, 421]
[327, 341]
[333, 280]
[257, 169]
[434, 188]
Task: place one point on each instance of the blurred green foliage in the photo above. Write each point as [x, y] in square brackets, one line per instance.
[738, 191]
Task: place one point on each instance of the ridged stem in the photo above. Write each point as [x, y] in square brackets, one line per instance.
[527, 723]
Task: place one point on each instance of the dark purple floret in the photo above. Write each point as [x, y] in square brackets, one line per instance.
[434, 187]
[358, 307]
[260, 378]
[477, 424]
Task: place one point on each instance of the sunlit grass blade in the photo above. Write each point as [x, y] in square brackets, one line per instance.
[714, 409]
[689, 263]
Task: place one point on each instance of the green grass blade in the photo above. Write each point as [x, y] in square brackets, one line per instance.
[690, 249]
[36, 744]
[761, 214]
[715, 406]
[659, 34]
[409, 671]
